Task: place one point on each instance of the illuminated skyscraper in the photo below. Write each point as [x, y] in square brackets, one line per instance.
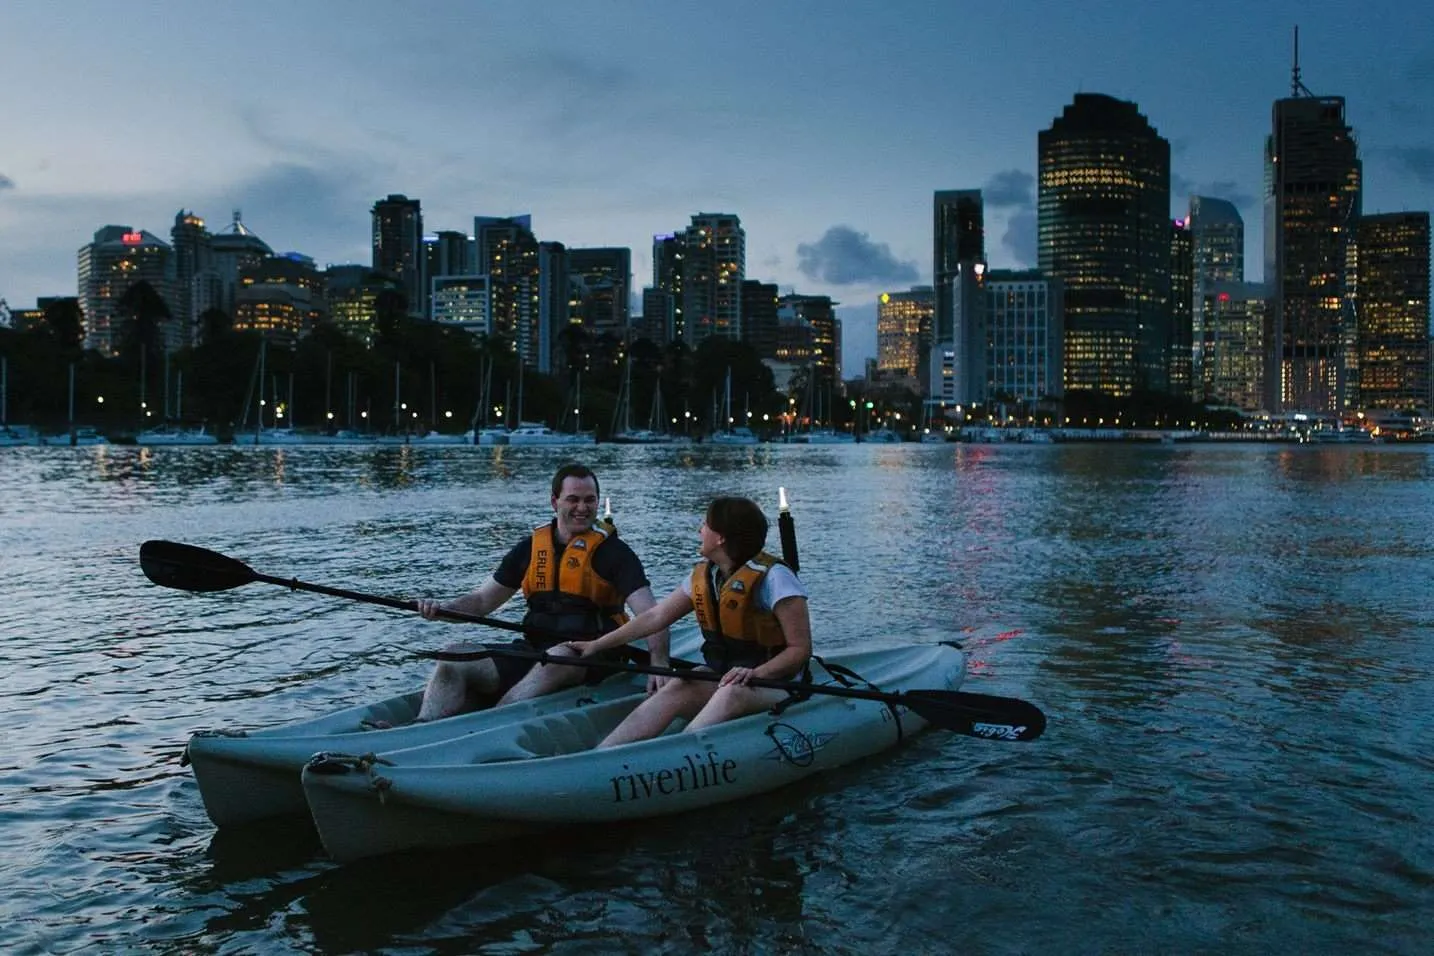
[1232, 344]
[507, 252]
[714, 263]
[1104, 231]
[196, 284]
[603, 277]
[1393, 310]
[1217, 234]
[1023, 330]
[955, 356]
[118, 258]
[903, 333]
[1312, 205]
[398, 246]
[1182, 291]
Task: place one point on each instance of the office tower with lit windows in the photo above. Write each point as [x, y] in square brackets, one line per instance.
[461, 301]
[1232, 344]
[903, 333]
[1181, 306]
[235, 249]
[955, 359]
[602, 280]
[447, 254]
[713, 256]
[1217, 233]
[668, 253]
[281, 296]
[1104, 231]
[1392, 318]
[398, 246]
[196, 284]
[351, 295]
[1023, 336]
[507, 252]
[817, 315]
[1313, 180]
[116, 259]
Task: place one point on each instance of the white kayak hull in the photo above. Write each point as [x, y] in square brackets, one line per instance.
[247, 776]
[542, 773]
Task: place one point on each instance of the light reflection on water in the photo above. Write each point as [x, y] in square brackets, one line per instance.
[1232, 645]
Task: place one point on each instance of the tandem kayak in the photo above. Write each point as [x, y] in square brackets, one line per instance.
[250, 775]
[543, 772]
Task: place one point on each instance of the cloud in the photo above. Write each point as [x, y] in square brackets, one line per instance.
[1010, 188]
[1414, 161]
[6, 182]
[846, 257]
[1020, 237]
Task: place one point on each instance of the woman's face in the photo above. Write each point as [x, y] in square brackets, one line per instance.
[709, 541]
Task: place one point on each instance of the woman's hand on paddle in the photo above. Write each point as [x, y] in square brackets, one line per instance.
[583, 648]
[737, 675]
[430, 609]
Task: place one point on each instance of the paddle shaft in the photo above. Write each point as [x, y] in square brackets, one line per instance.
[979, 715]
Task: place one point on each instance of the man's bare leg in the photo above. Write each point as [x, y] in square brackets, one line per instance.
[546, 678]
[455, 683]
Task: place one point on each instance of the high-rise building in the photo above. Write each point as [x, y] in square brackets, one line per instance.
[398, 246]
[1104, 231]
[1312, 205]
[282, 297]
[1023, 332]
[1217, 233]
[1181, 306]
[118, 258]
[714, 263]
[603, 276]
[903, 334]
[668, 253]
[351, 294]
[507, 252]
[1393, 310]
[233, 250]
[1232, 344]
[553, 307]
[658, 316]
[195, 281]
[817, 313]
[759, 317]
[461, 301]
[955, 353]
[447, 253]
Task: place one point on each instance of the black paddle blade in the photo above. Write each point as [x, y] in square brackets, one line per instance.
[978, 715]
[187, 568]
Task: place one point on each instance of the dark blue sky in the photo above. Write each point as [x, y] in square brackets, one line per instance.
[826, 127]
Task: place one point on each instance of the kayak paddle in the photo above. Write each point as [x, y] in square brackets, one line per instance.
[976, 715]
[189, 568]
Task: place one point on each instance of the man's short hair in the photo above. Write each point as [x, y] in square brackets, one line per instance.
[573, 470]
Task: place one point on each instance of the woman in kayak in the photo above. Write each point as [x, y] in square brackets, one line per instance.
[753, 614]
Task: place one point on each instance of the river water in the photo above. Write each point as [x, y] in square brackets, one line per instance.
[1233, 645]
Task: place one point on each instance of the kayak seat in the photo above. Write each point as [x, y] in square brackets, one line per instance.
[559, 734]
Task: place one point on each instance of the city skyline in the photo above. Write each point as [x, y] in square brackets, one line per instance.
[827, 137]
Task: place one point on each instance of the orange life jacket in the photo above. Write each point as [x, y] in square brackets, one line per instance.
[564, 592]
[736, 631]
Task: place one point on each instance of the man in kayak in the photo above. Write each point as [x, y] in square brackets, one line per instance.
[753, 613]
[576, 576]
